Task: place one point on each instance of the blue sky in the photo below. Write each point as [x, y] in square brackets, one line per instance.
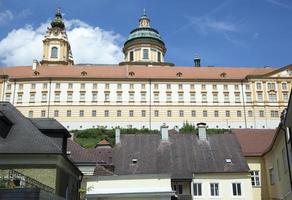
[222, 32]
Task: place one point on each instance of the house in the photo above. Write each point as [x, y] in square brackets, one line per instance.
[33, 160]
[200, 166]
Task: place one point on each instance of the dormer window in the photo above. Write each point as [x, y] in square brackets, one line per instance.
[54, 52]
[145, 54]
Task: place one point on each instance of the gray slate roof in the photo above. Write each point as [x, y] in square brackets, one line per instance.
[181, 156]
[24, 136]
[49, 124]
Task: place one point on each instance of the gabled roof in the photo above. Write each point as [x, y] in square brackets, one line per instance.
[254, 142]
[181, 156]
[24, 136]
[92, 155]
[133, 72]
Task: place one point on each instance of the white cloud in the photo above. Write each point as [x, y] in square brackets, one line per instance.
[280, 4]
[6, 15]
[89, 44]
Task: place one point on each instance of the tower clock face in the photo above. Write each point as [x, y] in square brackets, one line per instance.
[55, 33]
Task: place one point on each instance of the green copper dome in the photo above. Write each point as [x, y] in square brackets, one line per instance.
[57, 22]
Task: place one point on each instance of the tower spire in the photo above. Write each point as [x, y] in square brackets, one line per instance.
[57, 21]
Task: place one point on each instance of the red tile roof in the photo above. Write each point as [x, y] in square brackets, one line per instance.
[254, 142]
[104, 142]
[133, 72]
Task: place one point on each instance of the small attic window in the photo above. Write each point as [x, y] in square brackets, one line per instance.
[131, 73]
[5, 126]
[178, 74]
[228, 161]
[36, 73]
[134, 161]
[83, 73]
[223, 75]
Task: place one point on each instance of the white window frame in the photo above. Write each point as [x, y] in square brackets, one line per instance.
[241, 193]
[256, 178]
[214, 196]
[193, 188]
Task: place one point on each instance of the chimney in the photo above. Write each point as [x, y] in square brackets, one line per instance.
[35, 63]
[197, 61]
[118, 135]
[202, 131]
[176, 129]
[164, 132]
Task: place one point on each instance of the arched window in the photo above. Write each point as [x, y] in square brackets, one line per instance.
[54, 52]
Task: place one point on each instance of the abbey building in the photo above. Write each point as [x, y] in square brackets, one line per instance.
[143, 90]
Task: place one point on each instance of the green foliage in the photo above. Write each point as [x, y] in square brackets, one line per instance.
[188, 128]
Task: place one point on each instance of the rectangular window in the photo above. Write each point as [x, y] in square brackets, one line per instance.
[236, 188]
[32, 98]
[30, 114]
[205, 113]
[7, 97]
[272, 97]
[215, 97]
[237, 97]
[284, 86]
[143, 113]
[58, 85]
[226, 97]
[158, 56]
[249, 113]
[82, 97]
[236, 87]
[216, 113]
[94, 86]
[69, 97]
[193, 113]
[197, 189]
[214, 87]
[20, 86]
[143, 86]
[143, 97]
[106, 113]
[82, 86]
[285, 97]
[169, 113]
[225, 87]
[132, 97]
[192, 86]
[119, 97]
[32, 86]
[193, 97]
[106, 97]
[168, 97]
[156, 113]
[131, 113]
[271, 86]
[119, 86]
[94, 97]
[272, 176]
[43, 113]
[181, 97]
[56, 113]
[70, 86]
[262, 113]
[203, 87]
[180, 86]
[259, 86]
[8, 87]
[19, 98]
[204, 97]
[168, 86]
[227, 113]
[57, 97]
[131, 86]
[260, 97]
[93, 113]
[247, 87]
[238, 113]
[68, 113]
[45, 86]
[131, 56]
[106, 86]
[274, 113]
[156, 97]
[145, 53]
[181, 113]
[248, 97]
[214, 189]
[255, 178]
[119, 113]
[81, 113]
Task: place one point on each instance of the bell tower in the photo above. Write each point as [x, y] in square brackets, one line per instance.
[56, 47]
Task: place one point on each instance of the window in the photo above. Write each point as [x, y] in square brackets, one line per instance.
[227, 113]
[119, 113]
[238, 113]
[82, 97]
[119, 86]
[131, 113]
[236, 87]
[131, 86]
[284, 86]
[20, 86]
[278, 170]
[203, 87]
[93, 113]
[7, 97]
[57, 97]
[143, 97]
[19, 98]
[255, 178]
[69, 97]
[249, 113]
[204, 97]
[247, 87]
[216, 113]
[214, 189]
[156, 97]
[94, 86]
[168, 86]
[58, 85]
[131, 56]
[271, 86]
[214, 87]
[8, 87]
[285, 97]
[181, 97]
[70, 86]
[145, 54]
[106, 113]
[180, 86]
[131, 97]
[54, 52]
[32, 98]
[226, 97]
[30, 114]
[237, 97]
[143, 86]
[106, 86]
[248, 97]
[272, 176]
[215, 97]
[56, 113]
[81, 113]
[260, 97]
[259, 86]
[119, 97]
[225, 87]
[205, 113]
[32, 86]
[156, 113]
[94, 97]
[236, 188]
[272, 97]
[262, 113]
[178, 189]
[143, 113]
[106, 97]
[193, 113]
[197, 189]
[192, 86]
[82, 86]
[169, 113]
[168, 97]
[69, 113]
[193, 97]
[274, 113]
[156, 86]
[43, 113]
[158, 56]
[181, 113]
[45, 86]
